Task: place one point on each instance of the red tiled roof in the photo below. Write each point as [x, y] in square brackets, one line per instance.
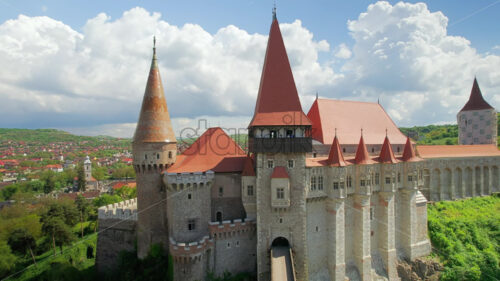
[386, 154]
[362, 156]
[248, 168]
[476, 100]
[279, 172]
[214, 150]
[336, 158]
[450, 151]
[409, 154]
[278, 101]
[154, 123]
[121, 184]
[348, 117]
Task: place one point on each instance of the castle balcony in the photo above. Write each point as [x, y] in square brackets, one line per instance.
[189, 252]
[228, 229]
[180, 181]
[280, 203]
[276, 145]
[125, 210]
[312, 194]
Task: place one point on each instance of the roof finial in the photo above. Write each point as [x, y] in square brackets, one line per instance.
[361, 131]
[378, 100]
[154, 44]
[386, 132]
[335, 132]
[274, 10]
[316, 94]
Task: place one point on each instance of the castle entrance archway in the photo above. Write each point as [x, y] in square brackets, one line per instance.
[280, 242]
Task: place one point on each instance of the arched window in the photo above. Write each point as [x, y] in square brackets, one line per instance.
[170, 154]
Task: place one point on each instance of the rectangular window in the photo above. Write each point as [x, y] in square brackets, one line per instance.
[280, 193]
[189, 196]
[270, 163]
[221, 191]
[377, 178]
[399, 177]
[387, 180]
[410, 178]
[290, 164]
[481, 132]
[313, 183]
[320, 182]
[250, 190]
[341, 185]
[362, 182]
[336, 185]
[349, 181]
[191, 225]
[481, 117]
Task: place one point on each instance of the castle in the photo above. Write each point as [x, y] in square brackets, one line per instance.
[337, 193]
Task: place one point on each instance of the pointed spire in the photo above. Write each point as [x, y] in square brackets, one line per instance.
[274, 11]
[362, 156]
[154, 123]
[316, 94]
[476, 100]
[278, 101]
[386, 154]
[409, 154]
[336, 158]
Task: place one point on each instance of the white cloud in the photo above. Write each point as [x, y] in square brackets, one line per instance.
[343, 52]
[403, 54]
[54, 76]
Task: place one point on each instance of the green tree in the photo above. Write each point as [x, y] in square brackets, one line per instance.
[21, 241]
[82, 184]
[84, 208]
[106, 199]
[49, 181]
[9, 190]
[58, 231]
[7, 259]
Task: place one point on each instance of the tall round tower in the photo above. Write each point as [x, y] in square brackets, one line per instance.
[154, 149]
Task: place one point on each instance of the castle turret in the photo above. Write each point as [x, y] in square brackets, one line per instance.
[280, 137]
[477, 120]
[154, 149]
[336, 158]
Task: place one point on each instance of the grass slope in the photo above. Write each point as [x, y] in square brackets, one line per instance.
[465, 235]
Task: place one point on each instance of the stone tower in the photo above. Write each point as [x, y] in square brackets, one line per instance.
[154, 149]
[477, 120]
[87, 167]
[279, 137]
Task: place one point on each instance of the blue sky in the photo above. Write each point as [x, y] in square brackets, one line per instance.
[460, 36]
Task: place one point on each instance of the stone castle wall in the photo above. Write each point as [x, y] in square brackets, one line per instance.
[117, 232]
[477, 126]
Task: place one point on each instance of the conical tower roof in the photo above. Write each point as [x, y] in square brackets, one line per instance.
[154, 123]
[278, 102]
[336, 158]
[362, 156]
[386, 153]
[409, 154]
[476, 100]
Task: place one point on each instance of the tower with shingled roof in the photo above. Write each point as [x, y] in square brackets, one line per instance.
[154, 149]
[477, 120]
[279, 137]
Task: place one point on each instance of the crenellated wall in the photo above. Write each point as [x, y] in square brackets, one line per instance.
[117, 228]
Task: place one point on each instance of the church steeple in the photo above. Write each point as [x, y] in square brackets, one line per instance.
[154, 123]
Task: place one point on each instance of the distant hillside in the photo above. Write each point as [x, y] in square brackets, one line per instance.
[45, 136]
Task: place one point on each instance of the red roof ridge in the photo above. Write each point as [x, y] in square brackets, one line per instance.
[248, 168]
[336, 158]
[386, 153]
[279, 172]
[409, 154]
[362, 156]
[476, 100]
[278, 101]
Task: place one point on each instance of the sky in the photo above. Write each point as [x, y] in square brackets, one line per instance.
[82, 66]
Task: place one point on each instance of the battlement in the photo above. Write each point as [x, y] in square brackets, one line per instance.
[179, 181]
[228, 229]
[189, 252]
[125, 210]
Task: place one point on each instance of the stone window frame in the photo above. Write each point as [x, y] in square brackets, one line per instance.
[270, 163]
[291, 164]
[313, 182]
[387, 180]
[189, 196]
[399, 177]
[191, 224]
[377, 178]
[335, 185]
[410, 178]
[320, 182]
[362, 182]
[349, 181]
[280, 193]
[250, 191]
[221, 191]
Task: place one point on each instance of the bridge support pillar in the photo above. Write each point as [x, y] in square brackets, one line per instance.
[336, 239]
[362, 255]
[386, 235]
